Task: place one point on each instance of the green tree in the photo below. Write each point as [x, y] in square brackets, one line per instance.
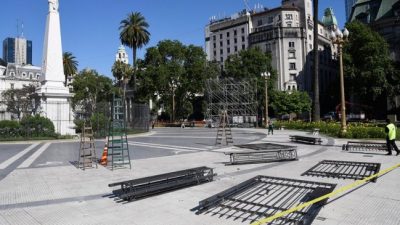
[249, 64]
[294, 102]
[89, 89]
[70, 65]
[134, 34]
[174, 71]
[367, 64]
[20, 101]
[122, 73]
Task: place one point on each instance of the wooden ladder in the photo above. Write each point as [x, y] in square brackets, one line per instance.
[118, 148]
[224, 131]
[87, 149]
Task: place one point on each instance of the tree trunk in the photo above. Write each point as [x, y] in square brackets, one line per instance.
[134, 49]
[316, 106]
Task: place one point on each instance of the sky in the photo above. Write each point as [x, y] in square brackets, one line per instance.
[90, 28]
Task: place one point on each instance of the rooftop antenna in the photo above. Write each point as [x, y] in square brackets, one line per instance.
[246, 3]
[17, 27]
[22, 27]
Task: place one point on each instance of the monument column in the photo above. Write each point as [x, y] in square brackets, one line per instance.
[54, 96]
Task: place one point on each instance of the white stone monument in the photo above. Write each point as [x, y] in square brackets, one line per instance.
[54, 96]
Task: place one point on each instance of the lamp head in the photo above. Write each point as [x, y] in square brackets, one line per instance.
[339, 33]
[333, 36]
[345, 33]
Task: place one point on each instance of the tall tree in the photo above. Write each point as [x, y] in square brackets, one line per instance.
[316, 105]
[19, 101]
[371, 76]
[90, 88]
[134, 34]
[173, 70]
[70, 65]
[287, 103]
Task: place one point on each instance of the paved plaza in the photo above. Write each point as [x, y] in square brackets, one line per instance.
[40, 184]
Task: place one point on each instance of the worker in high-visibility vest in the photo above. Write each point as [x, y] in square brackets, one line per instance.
[390, 131]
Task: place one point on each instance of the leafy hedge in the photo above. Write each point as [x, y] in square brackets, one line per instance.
[354, 130]
[29, 127]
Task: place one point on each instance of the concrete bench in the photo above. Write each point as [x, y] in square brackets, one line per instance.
[305, 139]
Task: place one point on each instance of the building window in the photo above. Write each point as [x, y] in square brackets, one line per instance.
[214, 45]
[310, 46]
[242, 30]
[259, 22]
[292, 66]
[215, 53]
[214, 38]
[221, 59]
[234, 32]
[23, 74]
[235, 40]
[289, 87]
[292, 55]
[309, 37]
[228, 42]
[221, 51]
[12, 86]
[228, 50]
[292, 77]
[220, 44]
[227, 34]
[236, 49]
[289, 16]
[291, 44]
[279, 17]
[243, 47]
[270, 19]
[37, 76]
[289, 25]
[220, 36]
[242, 38]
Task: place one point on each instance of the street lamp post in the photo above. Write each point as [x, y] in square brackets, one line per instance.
[339, 39]
[173, 100]
[266, 75]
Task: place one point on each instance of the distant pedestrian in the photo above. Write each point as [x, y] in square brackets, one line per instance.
[152, 124]
[270, 127]
[390, 131]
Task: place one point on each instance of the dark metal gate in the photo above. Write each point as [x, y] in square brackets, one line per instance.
[264, 196]
[344, 169]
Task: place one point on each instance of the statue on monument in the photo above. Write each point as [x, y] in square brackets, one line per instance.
[53, 5]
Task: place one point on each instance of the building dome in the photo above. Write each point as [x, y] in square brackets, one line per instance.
[329, 18]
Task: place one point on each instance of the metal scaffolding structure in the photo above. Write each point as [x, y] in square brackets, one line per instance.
[237, 97]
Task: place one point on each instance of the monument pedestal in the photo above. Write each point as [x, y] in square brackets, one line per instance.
[55, 105]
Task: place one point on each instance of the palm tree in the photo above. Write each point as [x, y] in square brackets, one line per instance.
[122, 72]
[316, 106]
[134, 34]
[70, 65]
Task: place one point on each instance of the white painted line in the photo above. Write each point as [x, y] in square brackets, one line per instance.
[11, 160]
[168, 146]
[28, 162]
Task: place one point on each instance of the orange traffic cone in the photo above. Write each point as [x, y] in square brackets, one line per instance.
[103, 160]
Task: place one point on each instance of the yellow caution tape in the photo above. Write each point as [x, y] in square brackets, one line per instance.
[340, 190]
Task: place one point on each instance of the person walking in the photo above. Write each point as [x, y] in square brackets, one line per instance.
[390, 131]
[270, 127]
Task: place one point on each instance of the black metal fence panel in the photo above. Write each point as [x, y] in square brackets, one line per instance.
[264, 196]
[343, 169]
